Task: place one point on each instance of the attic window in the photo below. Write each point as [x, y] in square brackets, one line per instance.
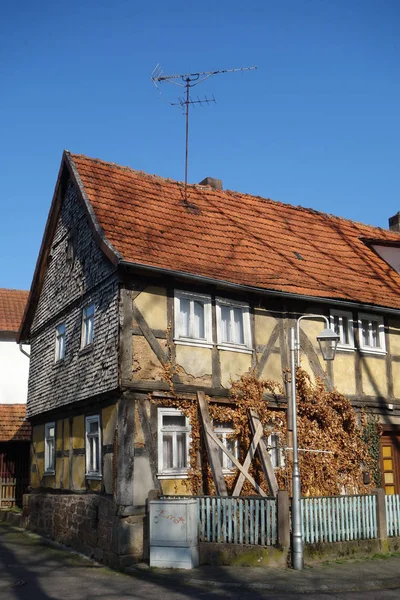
[298, 255]
[71, 248]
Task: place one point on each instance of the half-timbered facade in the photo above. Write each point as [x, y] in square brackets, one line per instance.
[139, 277]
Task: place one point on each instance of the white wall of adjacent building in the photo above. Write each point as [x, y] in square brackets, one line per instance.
[14, 369]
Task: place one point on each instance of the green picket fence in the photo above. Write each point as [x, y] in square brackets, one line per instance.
[393, 515]
[338, 518]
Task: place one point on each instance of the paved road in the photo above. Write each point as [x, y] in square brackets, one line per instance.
[30, 570]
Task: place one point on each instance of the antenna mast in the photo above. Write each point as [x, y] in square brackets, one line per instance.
[189, 80]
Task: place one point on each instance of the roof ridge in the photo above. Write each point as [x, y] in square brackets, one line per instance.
[295, 207]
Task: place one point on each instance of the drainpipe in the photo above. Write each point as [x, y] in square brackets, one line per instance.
[24, 351]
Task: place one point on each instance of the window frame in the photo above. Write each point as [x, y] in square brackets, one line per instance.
[278, 447]
[85, 321]
[97, 474]
[381, 333]
[60, 343]
[205, 299]
[247, 346]
[49, 469]
[349, 315]
[222, 431]
[174, 472]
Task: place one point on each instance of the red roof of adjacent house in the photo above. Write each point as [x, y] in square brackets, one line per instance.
[13, 424]
[236, 237]
[12, 306]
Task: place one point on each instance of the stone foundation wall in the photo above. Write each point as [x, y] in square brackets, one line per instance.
[87, 523]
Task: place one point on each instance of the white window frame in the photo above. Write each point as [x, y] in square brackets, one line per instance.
[271, 446]
[223, 431]
[49, 465]
[174, 472]
[61, 336]
[235, 347]
[381, 332]
[349, 315]
[193, 341]
[87, 316]
[94, 473]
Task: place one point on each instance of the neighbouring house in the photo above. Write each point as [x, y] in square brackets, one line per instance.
[136, 273]
[15, 430]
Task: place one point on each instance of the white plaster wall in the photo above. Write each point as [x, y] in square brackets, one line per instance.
[14, 369]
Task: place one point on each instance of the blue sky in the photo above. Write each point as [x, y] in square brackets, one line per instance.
[317, 124]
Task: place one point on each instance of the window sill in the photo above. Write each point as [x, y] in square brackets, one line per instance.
[345, 348]
[93, 476]
[242, 349]
[193, 342]
[374, 351]
[49, 473]
[172, 476]
[86, 350]
[59, 363]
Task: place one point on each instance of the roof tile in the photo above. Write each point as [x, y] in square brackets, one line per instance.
[13, 424]
[12, 306]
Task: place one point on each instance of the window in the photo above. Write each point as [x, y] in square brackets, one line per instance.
[193, 319]
[275, 451]
[342, 324]
[226, 433]
[60, 342]
[49, 447]
[173, 442]
[371, 333]
[93, 447]
[233, 325]
[87, 325]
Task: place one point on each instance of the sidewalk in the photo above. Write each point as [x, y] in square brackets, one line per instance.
[33, 568]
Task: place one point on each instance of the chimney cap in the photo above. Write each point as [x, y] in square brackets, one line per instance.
[216, 184]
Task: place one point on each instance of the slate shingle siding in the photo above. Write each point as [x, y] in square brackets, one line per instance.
[66, 290]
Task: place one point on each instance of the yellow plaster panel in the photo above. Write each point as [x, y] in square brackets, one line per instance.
[38, 438]
[66, 434]
[59, 435]
[263, 325]
[373, 372]
[145, 363]
[273, 368]
[344, 374]
[196, 363]
[94, 485]
[396, 379]
[139, 435]
[78, 473]
[152, 303]
[65, 481]
[109, 421]
[394, 337]
[35, 480]
[305, 364]
[171, 487]
[78, 432]
[233, 365]
[49, 481]
[59, 465]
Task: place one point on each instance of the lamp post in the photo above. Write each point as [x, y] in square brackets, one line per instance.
[327, 340]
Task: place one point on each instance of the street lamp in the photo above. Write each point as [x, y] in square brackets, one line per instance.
[327, 340]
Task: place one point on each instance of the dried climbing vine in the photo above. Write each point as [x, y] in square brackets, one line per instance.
[326, 422]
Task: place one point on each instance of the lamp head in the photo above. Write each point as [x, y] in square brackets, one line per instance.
[328, 341]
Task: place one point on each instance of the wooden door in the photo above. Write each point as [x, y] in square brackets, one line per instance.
[390, 462]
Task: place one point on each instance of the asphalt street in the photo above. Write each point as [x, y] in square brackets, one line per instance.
[30, 569]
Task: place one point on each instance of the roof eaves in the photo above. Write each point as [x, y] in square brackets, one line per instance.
[257, 290]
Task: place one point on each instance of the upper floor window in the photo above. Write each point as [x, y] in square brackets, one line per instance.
[226, 433]
[173, 442]
[87, 325]
[371, 333]
[342, 324]
[233, 325]
[193, 318]
[49, 447]
[93, 446]
[60, 342]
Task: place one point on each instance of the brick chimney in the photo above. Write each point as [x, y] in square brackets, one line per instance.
[216, 184]
[394, 222]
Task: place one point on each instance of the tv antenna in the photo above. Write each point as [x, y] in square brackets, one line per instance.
[188, 81]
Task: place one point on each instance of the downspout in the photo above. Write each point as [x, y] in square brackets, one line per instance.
[23, 351]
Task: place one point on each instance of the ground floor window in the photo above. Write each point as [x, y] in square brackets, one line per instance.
[173, 442]
[93, 446]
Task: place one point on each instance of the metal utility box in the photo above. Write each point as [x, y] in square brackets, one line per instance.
[173, 534]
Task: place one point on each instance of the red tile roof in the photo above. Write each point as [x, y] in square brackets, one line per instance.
[13, 424]
[236, 237]
[12, 306]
